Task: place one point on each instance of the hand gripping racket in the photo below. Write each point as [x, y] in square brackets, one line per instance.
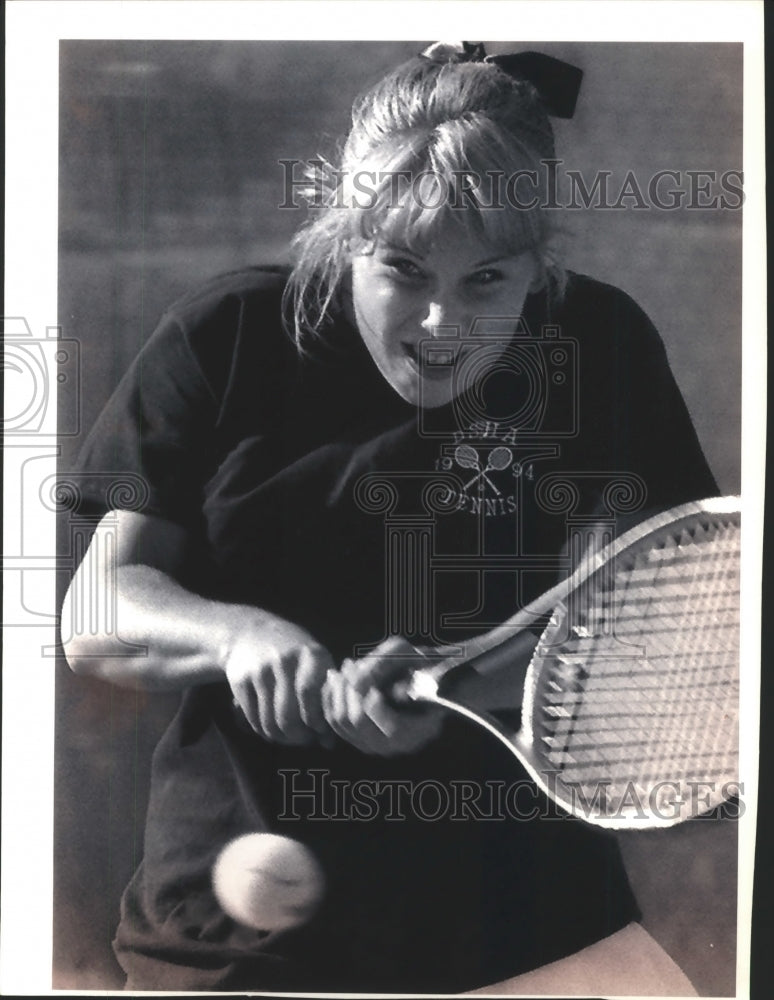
[630, 703]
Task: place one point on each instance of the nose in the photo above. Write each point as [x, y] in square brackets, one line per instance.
[434, 318]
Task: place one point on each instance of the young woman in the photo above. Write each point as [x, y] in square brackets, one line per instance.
[366, 455]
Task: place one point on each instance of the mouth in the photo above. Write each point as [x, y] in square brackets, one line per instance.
[426, 369]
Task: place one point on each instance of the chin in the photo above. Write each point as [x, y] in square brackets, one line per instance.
[423, 395]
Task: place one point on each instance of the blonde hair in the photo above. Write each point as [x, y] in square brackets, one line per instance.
[432, 122]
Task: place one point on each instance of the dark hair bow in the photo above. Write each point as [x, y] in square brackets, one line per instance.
[557, 82]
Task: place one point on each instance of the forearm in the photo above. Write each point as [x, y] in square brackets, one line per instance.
[181, 639]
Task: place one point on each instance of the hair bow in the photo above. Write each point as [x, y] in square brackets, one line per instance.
[557, 82]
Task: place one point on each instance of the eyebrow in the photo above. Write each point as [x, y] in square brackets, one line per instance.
[494, 260]
[397, 248]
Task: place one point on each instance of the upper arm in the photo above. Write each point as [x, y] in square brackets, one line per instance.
[126, 538]
[146, 540]
[633, 416]
[211, 370]
[122, 538]
[155, 434]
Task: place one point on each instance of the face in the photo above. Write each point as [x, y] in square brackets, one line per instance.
[401, 298]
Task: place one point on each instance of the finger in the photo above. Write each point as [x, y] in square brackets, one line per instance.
[364, 680]
[353, 705]
[356, 675]
[245, 700]
[348, 716]
[264, 694]
[394, 658]
[287, 711]
[313, 668]
[333, 703]
[384, 718]
[402, 731]
[326, 696]
[363, 732]
[346, 706]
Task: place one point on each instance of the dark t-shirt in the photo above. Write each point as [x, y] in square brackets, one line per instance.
[310, 488]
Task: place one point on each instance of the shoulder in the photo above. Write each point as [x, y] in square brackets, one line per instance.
[232, 322]
[250, 284]
[607, 323]
[587, 298]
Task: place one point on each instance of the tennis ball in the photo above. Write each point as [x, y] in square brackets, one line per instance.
[268, 882]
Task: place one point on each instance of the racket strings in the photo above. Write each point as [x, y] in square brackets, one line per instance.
[654, 697]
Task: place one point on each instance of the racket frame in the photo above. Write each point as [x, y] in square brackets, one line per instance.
[424, 684]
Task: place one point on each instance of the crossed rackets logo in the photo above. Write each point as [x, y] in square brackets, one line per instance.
[467, 457]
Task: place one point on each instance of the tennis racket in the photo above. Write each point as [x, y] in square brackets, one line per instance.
[630, 703]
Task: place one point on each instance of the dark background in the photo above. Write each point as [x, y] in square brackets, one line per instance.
[169, 173]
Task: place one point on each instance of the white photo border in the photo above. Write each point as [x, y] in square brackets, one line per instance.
[34, 29]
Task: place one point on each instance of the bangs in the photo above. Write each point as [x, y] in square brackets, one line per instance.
[418, 220]
[467, 175]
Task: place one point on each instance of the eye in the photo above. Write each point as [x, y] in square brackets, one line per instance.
[486, 276]
[405, 267]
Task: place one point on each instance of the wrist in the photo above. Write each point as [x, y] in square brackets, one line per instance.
[243, 623]
[234, 622]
